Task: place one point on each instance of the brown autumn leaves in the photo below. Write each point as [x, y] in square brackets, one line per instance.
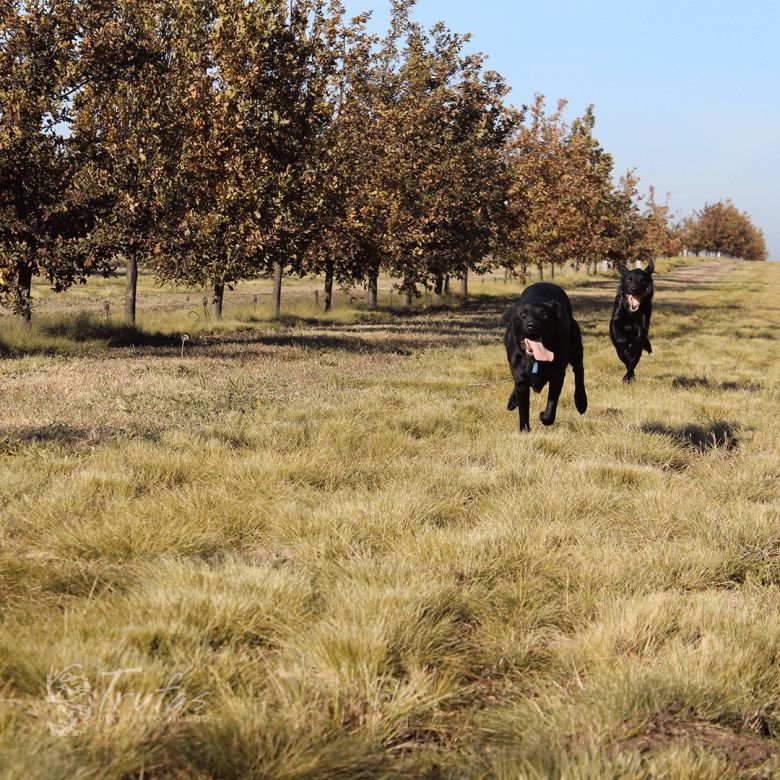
[212, 141]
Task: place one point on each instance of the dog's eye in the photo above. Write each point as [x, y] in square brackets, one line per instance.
[544, 314]
[523, 315]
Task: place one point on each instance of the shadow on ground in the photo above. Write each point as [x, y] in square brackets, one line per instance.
[476, 321]
[718, 434]
[87, 327]
[702, 383]
[69, 435]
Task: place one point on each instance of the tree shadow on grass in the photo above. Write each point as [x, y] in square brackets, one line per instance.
[402, 342]
[701, 438]
[481, 308]
[701, 382]
[86, 327]
[476, 321]
[69, 435]
[585, 306]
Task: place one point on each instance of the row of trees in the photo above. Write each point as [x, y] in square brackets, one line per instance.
[721, 229]
[218, 140]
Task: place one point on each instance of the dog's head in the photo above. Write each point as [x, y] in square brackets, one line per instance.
[636, 286]
[536, 325]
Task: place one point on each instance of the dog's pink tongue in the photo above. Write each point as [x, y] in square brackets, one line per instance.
[633, 303]
[540, 352]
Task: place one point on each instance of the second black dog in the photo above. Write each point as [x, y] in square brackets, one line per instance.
[542, 338]
[629, 327]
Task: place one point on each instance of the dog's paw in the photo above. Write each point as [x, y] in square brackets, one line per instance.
[628, 378]
[581, 402]
[547, 419]
[511, 404]
[525, 427]
[648, 347]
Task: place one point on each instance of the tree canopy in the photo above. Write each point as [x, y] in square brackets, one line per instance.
[217, 140]
[721, 228]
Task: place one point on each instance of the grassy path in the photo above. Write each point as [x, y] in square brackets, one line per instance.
[323, 550]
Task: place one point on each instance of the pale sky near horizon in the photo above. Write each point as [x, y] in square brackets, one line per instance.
[687, 92]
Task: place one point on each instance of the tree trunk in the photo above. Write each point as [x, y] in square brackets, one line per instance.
[541, 272]
[277, 306]
[217, 299]
[373, 289]
[24, 307]
[131, 288]
[446, 284]
[438, 284]
[576, 264]
[552, 270]
[464, 283]
[408, 290]
[328, 285]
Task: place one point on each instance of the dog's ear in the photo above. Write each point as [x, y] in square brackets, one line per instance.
[623, 270]
[650, 267]
[556, 307]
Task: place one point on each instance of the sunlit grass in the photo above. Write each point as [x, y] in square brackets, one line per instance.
[333, 529]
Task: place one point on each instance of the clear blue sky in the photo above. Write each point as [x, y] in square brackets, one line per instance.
[687, 92]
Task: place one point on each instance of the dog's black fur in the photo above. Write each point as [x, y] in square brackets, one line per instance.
[543, 313]
[630, 330]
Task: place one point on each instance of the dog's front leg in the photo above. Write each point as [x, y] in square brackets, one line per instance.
[577, 363]
[631, 360]
[553, 394]
[523, 397]
[580, 396]
[644, 330]
[623, 349]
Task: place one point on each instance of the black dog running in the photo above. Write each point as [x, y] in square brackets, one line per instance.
[630, 324]
[542, 338]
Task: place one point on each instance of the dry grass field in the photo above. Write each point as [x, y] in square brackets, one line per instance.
[320, 548]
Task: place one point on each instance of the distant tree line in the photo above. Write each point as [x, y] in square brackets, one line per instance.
[721, 229]
[212, 141]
